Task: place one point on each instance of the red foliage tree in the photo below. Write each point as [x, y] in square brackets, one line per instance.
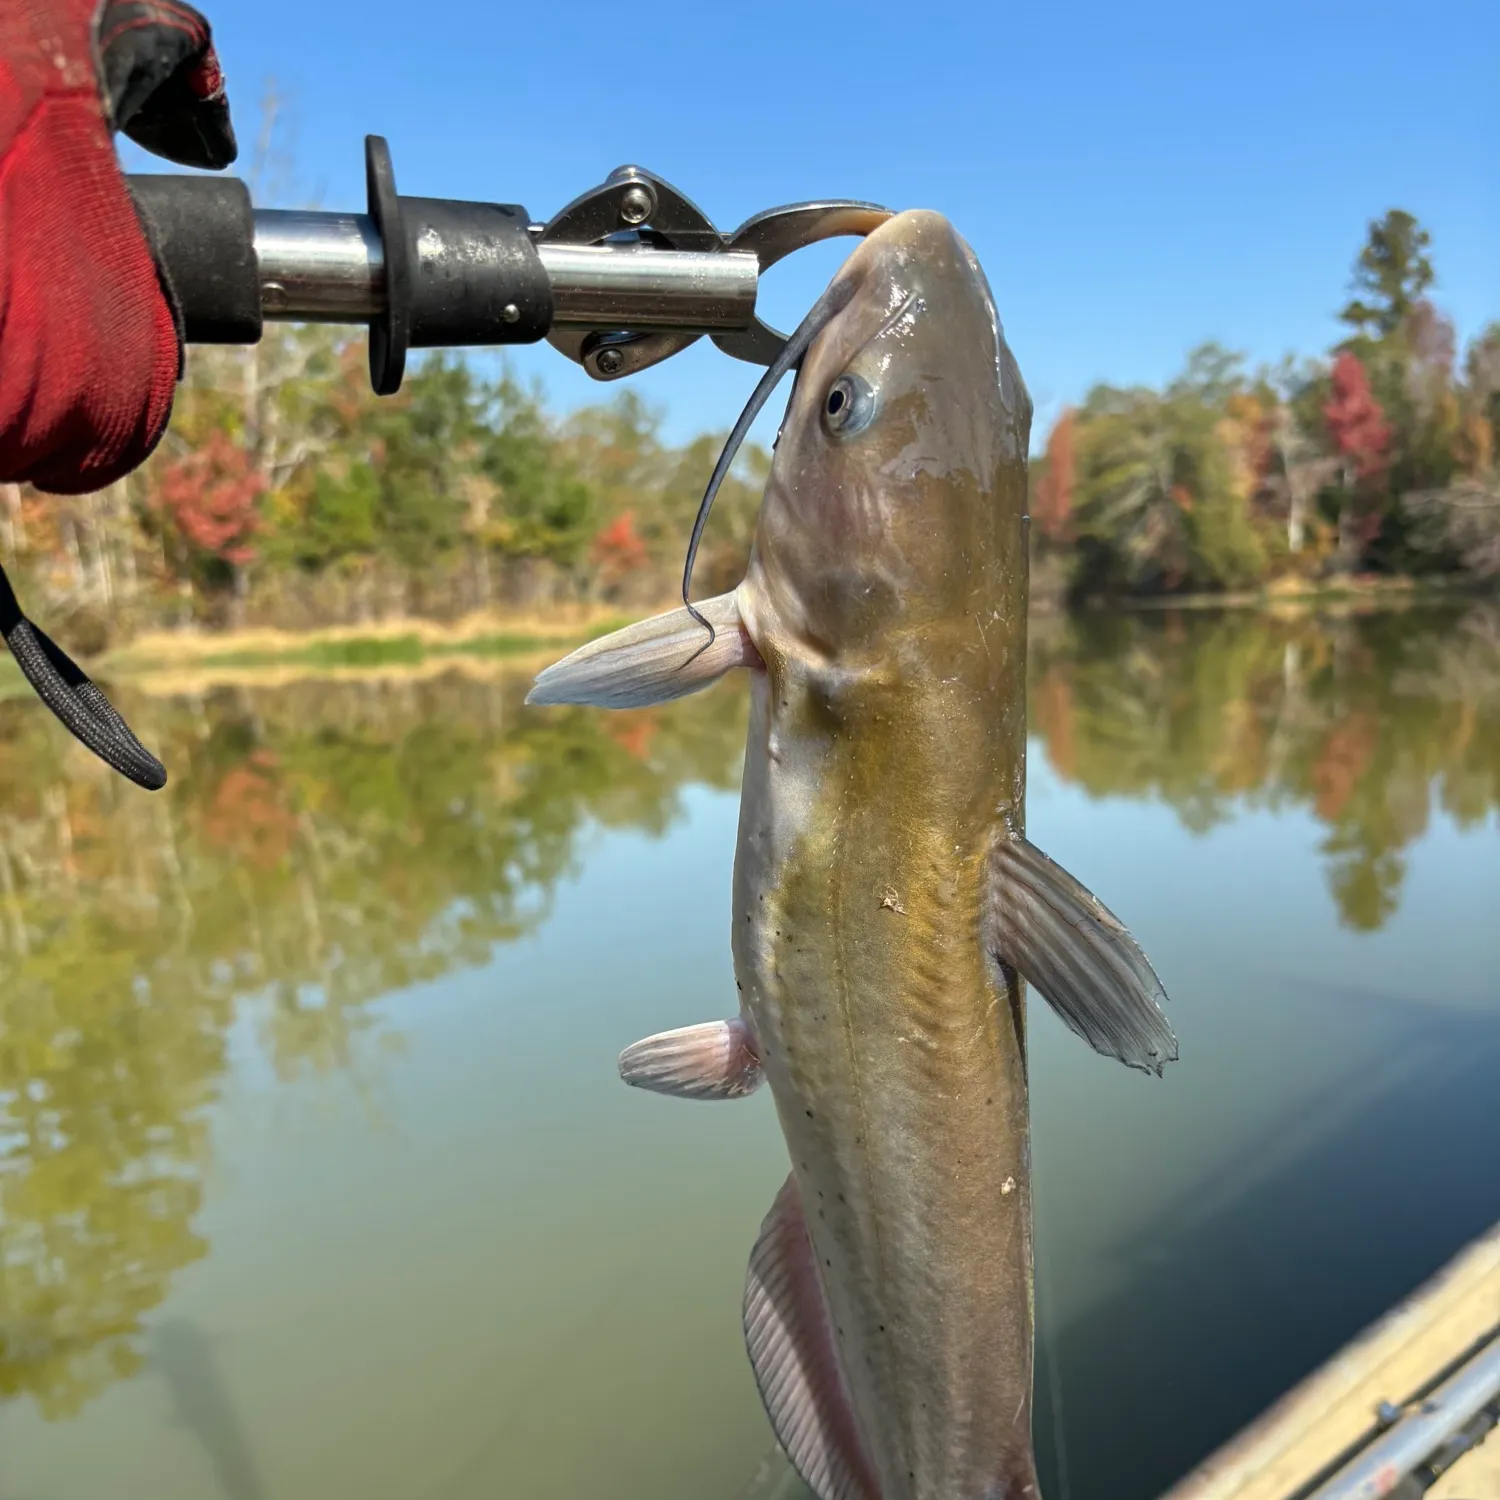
[1355, 420]
[618, 549]
[212, 495]
[1053, 503]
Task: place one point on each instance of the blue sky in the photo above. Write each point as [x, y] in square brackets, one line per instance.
[1135, 177]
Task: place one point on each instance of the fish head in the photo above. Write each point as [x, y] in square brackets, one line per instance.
[896, 499]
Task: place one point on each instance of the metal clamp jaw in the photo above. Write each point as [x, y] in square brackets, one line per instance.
[628, 274]
[635, 208]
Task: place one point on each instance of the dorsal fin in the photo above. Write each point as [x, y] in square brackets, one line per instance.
[790, 1338]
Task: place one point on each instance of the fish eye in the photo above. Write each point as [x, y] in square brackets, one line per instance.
[849, 406]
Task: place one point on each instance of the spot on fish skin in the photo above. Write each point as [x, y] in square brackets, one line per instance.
[890, 901]
[1009, 1185]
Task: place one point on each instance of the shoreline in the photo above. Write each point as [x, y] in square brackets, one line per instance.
[165, 662]
[1329, 595]
[374, 643]
[488, 643]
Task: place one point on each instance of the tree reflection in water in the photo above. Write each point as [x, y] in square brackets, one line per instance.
[1367, 722]
[319, 846]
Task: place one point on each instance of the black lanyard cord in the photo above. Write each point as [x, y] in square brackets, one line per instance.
[67, 690]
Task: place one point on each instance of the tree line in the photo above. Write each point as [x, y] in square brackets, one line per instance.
[1379, 458]
[285, 493]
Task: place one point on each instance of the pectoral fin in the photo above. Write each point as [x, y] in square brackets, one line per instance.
[1077, 953]
[652, 661]
[717, 1060]
[790, 1339]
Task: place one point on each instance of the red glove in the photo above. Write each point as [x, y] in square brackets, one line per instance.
[90, 345]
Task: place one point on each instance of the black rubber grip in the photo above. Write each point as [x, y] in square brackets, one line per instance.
[476, 275]
[202, 230]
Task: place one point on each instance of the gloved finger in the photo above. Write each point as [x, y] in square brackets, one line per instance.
[162, 81]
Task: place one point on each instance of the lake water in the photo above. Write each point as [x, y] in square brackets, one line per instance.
[317, 1181]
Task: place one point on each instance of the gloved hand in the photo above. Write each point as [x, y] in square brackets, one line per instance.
[90, 341]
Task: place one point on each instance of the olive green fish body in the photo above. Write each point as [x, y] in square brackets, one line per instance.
[887, 907]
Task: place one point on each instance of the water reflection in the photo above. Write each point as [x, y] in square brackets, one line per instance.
[1368, 722]
[323, 845]
[318, 846]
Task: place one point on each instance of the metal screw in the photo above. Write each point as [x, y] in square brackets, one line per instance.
[511, 313]
[273, 297]
[609, 361]
[636, 205]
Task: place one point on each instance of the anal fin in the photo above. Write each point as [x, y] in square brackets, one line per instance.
[1063, 940]
[716, 1060]
[790, 1340]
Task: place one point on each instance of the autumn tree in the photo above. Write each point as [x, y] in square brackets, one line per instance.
[1162, 494]
[617, 550]
[1129, 516]
[1302, 468]
[1479, 436]
[1355, 421]
[1359, 432]
[211, 495]
[1053, 501]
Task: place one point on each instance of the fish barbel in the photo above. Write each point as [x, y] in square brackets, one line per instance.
[887, 906]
